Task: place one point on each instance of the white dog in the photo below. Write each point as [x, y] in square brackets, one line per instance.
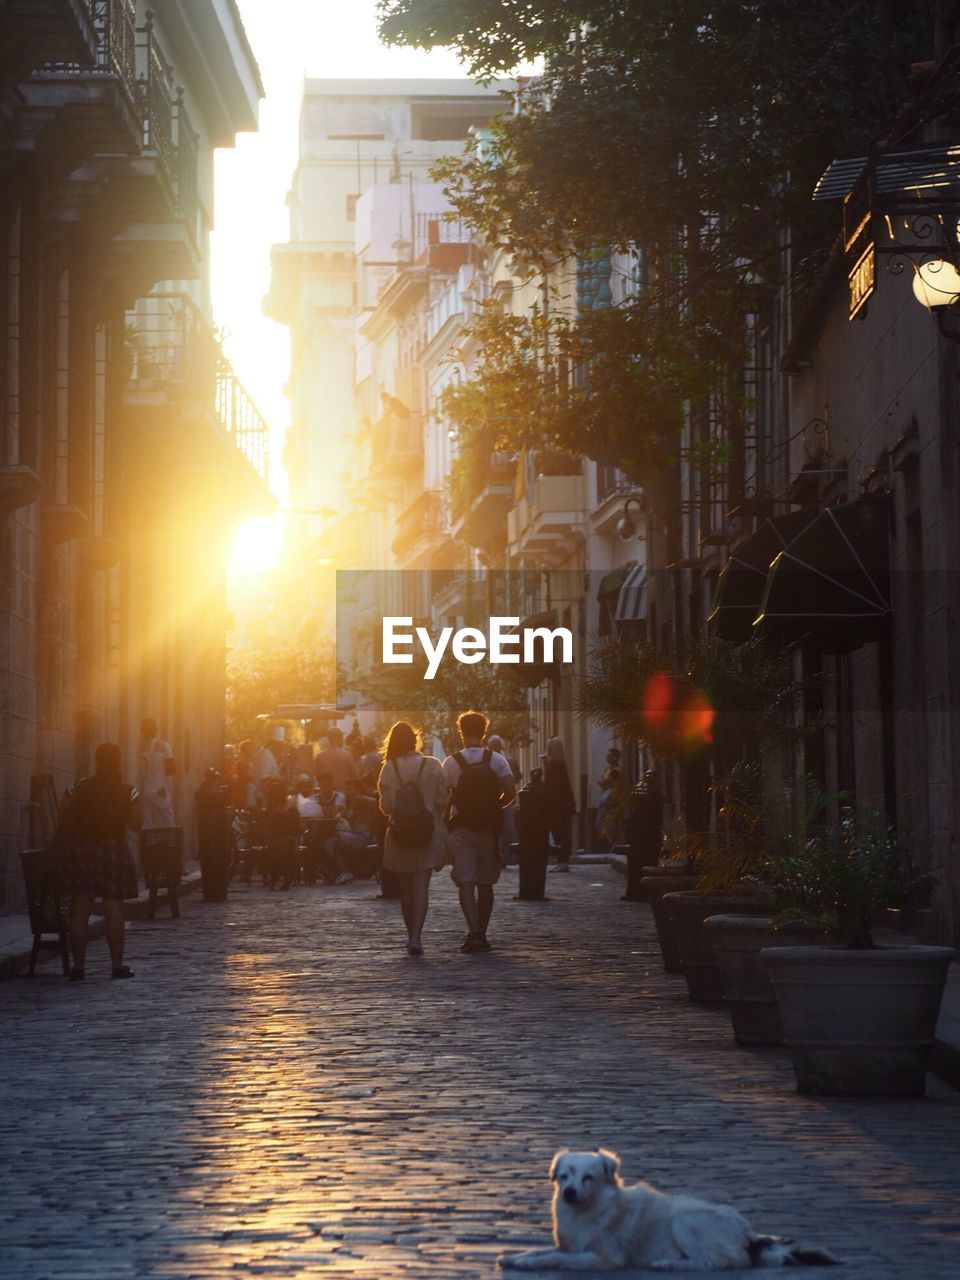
[601, 1225]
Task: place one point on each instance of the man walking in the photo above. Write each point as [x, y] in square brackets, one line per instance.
[481, 786]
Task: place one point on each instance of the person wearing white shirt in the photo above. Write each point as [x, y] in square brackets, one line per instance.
[481, 786]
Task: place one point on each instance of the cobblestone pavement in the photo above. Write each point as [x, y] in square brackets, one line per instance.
[282, 1091]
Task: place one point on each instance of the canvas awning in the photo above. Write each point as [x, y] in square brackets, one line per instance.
[830, 587]
[736, 601]
[632, 600]
[608, 593]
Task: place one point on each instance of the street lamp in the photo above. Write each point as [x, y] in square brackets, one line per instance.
[900, 207]
[936, 283]
[626, 527]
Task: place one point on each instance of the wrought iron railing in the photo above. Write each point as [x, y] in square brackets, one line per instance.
[114, 22]
[423, 519]
[435, 228]
[169, 342]
[241, 418]
[133, 56]
[155, 99]
[186, 162]
[117, 19]
[612, 482]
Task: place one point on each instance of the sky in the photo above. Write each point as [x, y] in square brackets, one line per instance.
[291, 39]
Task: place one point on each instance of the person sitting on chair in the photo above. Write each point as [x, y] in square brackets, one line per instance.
[327, 828]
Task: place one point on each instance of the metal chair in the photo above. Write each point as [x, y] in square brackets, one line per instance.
[161, 861]
[48, 904]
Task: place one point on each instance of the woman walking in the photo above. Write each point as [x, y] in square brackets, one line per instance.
[561, 805]
[99, 863]
[413, 796]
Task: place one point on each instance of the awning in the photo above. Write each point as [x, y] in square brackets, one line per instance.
[926, 172]
[744, 576]
[611, 582]
[830, 588]
[632, 601]
[308, 711]
[608, 593]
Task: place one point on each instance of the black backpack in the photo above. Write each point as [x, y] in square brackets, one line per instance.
[477, 795]
[411, 821]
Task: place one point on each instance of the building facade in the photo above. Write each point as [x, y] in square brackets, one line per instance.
[130, 449]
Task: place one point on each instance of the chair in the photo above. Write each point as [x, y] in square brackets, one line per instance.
[48, 904]
[161, 861]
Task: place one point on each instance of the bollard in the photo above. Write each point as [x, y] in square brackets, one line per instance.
[533, 827]
[213, 837]
[644, 834]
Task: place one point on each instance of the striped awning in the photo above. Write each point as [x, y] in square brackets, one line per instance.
[611, 582]
[919, 172]
[632, 600]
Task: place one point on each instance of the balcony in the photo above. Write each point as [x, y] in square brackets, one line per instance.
[548, 523]
[100, 96]
[396, 447]
[171, 350]
[455, 593]
[421, 530]
[34, 32]
[484, 496]
[116, 125]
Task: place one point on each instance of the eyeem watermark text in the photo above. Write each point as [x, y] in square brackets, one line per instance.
[500, 643]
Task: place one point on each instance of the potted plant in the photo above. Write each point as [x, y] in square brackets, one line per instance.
[738, 940]
[725, 862]
[859, 1019]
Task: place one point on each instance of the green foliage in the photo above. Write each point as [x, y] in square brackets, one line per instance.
[731, 858]
[693, 131]
[839, 877]
[259, 680]
[432, 706]
[749, 687]
[610, 385]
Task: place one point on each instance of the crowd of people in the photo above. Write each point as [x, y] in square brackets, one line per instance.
[327, 811]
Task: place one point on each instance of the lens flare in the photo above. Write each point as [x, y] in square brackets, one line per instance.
[678, 716]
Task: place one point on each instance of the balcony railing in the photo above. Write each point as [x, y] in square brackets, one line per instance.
[186, 162]
[396, 444]
[611, 482]
[170, 343]
[155, 100]
[132, 57]
[241, 418]
[114, 22]
[422, 522]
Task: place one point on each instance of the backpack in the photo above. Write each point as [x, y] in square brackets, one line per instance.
[411, 821]
[477, 795]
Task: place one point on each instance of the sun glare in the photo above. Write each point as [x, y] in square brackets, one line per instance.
[257, 545]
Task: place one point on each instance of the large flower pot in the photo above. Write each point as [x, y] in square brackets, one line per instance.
[745, 979]
[636, 891]
[698, 963]
[655, 887]
[859, 1023]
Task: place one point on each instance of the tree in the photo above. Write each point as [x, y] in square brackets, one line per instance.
[259, 680]
[691, 132]
[432, 706]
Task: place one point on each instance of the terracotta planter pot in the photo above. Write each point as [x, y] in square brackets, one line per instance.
[698, 963]
[655, 887]
[859, 1023]
[745, 979]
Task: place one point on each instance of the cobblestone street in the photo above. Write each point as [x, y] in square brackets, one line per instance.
[283, 1091]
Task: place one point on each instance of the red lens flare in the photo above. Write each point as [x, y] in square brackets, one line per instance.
[678, 716]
